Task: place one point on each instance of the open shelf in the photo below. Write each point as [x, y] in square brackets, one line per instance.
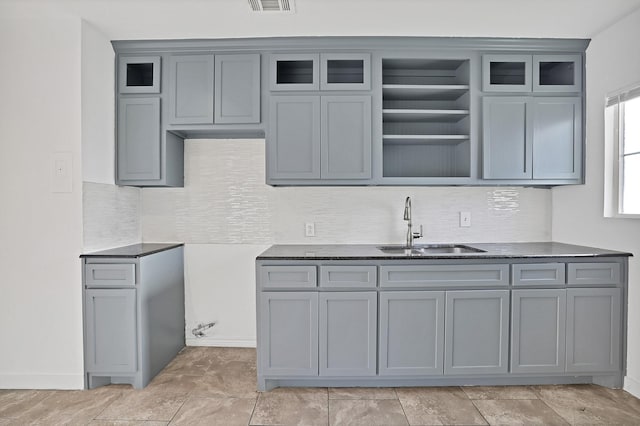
[425, 118]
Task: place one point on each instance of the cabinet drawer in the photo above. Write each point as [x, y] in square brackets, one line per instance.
[593, 273]
[538, 274]
[444, 275]
[288, 276]
[110, 274]
[347, 276]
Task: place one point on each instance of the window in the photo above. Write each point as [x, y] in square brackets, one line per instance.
[622, 154]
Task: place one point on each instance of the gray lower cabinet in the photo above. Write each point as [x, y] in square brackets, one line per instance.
[593, 329]
[111, 345]
[133, 316]
[532, 138]
[411, 333]
[289, 332]
[347, 333]
[538, 330]
[138, 144]
[476, 332]
[237, 89]
[319, 137]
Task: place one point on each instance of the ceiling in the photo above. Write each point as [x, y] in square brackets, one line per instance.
[153, 19]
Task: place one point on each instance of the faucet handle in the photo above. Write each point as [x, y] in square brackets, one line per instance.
[418, 234]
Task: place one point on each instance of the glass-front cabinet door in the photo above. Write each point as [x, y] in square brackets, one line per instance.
[294, 72]
[506, 73]
[139, 74]
[345, 71]
[557, 73]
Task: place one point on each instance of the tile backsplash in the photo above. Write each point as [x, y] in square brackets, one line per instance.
[225, 201]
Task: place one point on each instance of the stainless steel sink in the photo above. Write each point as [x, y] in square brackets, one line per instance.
[427, 249]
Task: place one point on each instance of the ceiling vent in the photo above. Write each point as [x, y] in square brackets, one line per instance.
[286, 6]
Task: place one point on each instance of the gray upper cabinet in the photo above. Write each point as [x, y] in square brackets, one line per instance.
[138, 144]
[557, 138]
[345, 71]
[293, 148]
[237, 89]
[346, 137]
[191, 89]
[532, 138]
[476, 332]
[294, 71]
[348, 324]
[411, 333]
[538, 331]
[557, 73]
[506, 73]
[593, 329]
[139, 74]
[506, 138]
[111, 317]
[289, 324]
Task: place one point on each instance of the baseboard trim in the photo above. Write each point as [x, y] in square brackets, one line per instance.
[226, 343]
[42, 381]
[632, 386]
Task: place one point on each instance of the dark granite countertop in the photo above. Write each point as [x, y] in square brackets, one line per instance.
[490, 251]
[133, 251]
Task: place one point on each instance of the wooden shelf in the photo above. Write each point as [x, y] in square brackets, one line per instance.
[442, 115]
[424, 139]
[424, 91]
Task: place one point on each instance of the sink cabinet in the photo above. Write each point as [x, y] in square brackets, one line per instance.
[437, 321]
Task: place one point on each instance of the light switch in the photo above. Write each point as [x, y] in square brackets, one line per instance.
[62, 172]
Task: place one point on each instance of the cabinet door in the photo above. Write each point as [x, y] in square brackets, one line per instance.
[139, 74]
[345, 71]
[557, 73]
[293, 146]
[593, 329]
[506, 147]
[538, 331]
[557, 138]
[139, 143]
[294, 71]
[289, 332]
[346, 137]
[191, 89]
[348, 333]
[476, 332]
[110, 323]
[506, 73]
[237, 89]
[411, 332]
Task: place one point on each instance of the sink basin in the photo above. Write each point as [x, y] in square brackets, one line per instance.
[427, 249]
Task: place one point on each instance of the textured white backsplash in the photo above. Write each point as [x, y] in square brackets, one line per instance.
[111, 216]
[225, 201]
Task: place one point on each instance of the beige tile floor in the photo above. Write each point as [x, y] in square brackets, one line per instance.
[216, 386]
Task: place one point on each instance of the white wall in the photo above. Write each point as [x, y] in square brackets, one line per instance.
[227, 215]
[613, 62]
[41, 231]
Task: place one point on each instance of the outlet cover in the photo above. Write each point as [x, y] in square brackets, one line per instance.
[309, 229]
[465, 219]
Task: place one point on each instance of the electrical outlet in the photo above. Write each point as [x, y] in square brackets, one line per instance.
[465, 219]
[309, 229]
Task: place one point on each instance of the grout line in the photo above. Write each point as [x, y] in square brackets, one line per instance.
[255, 404]
[560, 415]
[401, 406]
[480, 411]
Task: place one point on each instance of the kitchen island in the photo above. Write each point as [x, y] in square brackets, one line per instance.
[481, 314]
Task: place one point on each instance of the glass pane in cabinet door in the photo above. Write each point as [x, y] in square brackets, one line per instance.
[345, 71]
[512, 73]
[140, 75]
[294, 72]
[557, 73]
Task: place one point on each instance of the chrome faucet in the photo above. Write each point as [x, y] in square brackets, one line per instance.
[407, 216]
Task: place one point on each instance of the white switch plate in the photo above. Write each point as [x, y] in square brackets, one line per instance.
[62, 172]
[465, 219]
[309, 229]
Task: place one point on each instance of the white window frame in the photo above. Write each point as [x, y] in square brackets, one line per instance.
[614, 139]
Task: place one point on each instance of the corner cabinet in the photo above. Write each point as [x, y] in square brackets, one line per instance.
[532, 138]
[319, 137]
[440, 322]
